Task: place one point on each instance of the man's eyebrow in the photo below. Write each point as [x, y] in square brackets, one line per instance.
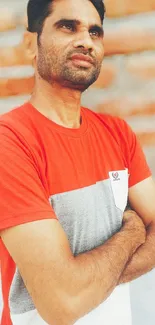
[76, 22]
[62, 21]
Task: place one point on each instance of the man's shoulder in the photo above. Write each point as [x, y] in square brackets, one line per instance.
[13, 115]
[15, 126]
[115, 123]
[15, 120]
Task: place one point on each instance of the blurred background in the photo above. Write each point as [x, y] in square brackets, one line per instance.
[126, 88]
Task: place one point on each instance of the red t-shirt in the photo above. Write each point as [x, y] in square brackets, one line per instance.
[43, 165]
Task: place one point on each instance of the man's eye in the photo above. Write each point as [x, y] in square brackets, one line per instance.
[67, 26]
[95, 34]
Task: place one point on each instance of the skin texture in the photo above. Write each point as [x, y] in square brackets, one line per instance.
[60, 80]
[62, 39]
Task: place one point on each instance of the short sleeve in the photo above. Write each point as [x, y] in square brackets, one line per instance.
[23, 197]
[137, 164]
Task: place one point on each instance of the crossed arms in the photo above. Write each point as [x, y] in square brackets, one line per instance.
[63, 287]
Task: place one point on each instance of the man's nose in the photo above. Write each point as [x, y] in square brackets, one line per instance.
[83, 40]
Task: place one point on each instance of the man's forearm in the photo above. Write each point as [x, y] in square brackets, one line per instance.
[97, 272]
[143, 260]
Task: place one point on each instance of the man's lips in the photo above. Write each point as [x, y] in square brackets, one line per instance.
[83, 60]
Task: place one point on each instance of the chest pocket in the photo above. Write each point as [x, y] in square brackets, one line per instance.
[119, 186]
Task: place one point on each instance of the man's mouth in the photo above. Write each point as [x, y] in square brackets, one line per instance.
[82, 60]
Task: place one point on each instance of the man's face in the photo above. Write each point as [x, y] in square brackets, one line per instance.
[70, 50]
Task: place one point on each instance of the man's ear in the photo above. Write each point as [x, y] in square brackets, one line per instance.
[30, 45]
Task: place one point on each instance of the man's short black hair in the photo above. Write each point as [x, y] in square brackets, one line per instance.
[39, 10]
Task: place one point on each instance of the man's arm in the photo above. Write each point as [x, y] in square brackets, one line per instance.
[63, 287]
[142, 201]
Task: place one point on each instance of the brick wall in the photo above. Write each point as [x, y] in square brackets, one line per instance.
[126, 86]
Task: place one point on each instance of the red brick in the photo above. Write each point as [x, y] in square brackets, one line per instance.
[13, 87]
[129, 40]
[126, 7]
[7, 19]
[142, 67]
[107, 76]
[124, 107]
[146, 139]
[11, 56]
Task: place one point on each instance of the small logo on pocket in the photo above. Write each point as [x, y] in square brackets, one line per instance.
[115, 176]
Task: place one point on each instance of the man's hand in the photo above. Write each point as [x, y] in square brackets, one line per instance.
[131, 221]
[142, 260]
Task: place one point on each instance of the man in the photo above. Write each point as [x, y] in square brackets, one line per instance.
[68, 249]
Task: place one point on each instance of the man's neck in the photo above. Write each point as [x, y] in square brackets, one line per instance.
[59, 104]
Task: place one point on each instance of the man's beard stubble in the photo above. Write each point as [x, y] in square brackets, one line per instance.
[55, 70]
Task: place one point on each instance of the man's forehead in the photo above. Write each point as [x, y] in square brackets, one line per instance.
[80, 10]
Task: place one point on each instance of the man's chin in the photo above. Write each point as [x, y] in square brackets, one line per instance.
[79, 85]
[80, 88]
[82, 83]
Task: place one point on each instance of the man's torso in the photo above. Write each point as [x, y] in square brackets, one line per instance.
[85, 176]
